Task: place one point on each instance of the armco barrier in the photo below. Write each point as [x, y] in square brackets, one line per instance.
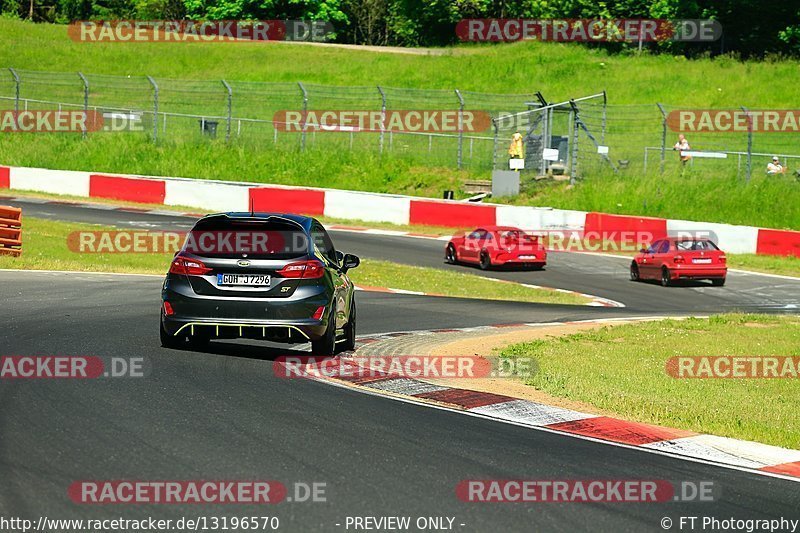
[128, 189]
[778, 242]
[10, 231]
[451, 214]
[613, 227]
[288, 200]
[216, 195]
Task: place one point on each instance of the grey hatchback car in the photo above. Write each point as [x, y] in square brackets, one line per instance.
[267, 276]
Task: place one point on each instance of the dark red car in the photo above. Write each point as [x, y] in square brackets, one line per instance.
[675, 258]
[491, 246]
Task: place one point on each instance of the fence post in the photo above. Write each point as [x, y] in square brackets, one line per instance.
[230, 110]
[305, 114]
[663, 137]
[496, 140]
[603, 128]
[460, 128]
[383, 116]
[16, 89]
[749, 144]
[573, 170]
[155, 107]
[85, 101]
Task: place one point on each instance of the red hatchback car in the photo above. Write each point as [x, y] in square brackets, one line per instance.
[491, 246]
[675, 258]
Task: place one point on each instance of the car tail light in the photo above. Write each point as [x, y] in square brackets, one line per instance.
[318, 313]
[679, 259]
[723, 259]
[188, 267]
[303, 269]
[168, 310]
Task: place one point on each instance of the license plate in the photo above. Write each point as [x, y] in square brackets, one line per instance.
[527, 257]
[243, 280]
[701, 261]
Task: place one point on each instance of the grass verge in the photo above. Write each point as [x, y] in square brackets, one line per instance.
[45, 248]
[621, 369]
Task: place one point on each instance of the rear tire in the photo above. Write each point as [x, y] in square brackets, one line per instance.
[450, 255]
[665, 279]
[350, 330]
[718, 282]
[327, 344]
[486, 261]
[634, 272]
[167, 340]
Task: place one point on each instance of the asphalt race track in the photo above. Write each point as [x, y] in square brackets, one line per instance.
[589, 273]
[222, 414]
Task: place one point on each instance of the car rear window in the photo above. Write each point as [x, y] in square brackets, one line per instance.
[690, 245]
[513, 235]
[258, 239]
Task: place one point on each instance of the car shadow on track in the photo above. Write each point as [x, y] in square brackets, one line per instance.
[496, 268]
[677, 284]
[257, 350]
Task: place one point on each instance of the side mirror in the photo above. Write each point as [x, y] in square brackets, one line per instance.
[339, 257]
[350, 261]
[643, 250]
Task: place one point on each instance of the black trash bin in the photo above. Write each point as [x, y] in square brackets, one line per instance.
[209, 127]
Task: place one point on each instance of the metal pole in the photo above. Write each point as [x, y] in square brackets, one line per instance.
[545, 139]
[460, 128]
[603, 130]
[16, 89]
[663, 136]
[573, 172]
[383, 116]
[496, 139]
[230, 110]
[85, 102]
[155, 107]
[749, 144]
[305, 113]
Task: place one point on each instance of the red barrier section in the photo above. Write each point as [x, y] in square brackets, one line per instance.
[778, 242]
[611, 227]
[297, 201]
[5, 178]
[128, 189]
[451, 214]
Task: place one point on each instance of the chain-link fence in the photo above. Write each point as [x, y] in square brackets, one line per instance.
[245, 112]
[580, 137]
[641, 140]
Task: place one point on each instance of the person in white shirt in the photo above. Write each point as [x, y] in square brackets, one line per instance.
[775, 167]
[682, 145]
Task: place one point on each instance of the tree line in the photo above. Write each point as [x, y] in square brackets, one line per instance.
[750, 27]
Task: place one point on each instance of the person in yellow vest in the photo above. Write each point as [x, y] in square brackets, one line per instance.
[516, 149]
